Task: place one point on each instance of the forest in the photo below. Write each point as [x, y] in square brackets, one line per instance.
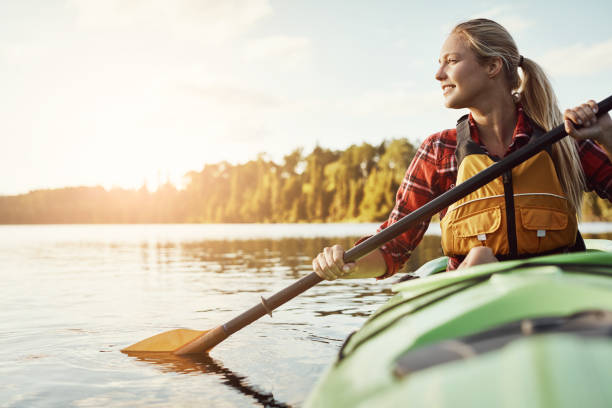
[353, 185]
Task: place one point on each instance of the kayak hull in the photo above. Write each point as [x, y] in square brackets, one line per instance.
[524, 333]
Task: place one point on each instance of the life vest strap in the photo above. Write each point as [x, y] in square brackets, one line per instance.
[510, 215]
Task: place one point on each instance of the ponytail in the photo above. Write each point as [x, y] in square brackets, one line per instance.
[540, 104]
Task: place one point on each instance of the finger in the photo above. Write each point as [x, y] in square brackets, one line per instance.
[584, 133]
[586, 114]
[569, 127]
[583, 118]
[573, 116]
[338, 255]
[320, 269]
[327, 267]
[331, 265]
[317, 268]
[348, 267]
[591, 105]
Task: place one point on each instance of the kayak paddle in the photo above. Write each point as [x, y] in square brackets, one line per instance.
[185, 341]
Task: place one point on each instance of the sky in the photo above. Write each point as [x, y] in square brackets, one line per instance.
[119, 93]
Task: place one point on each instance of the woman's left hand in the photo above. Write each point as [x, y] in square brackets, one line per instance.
[592, 127]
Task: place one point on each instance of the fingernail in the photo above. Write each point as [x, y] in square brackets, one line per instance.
[595, 108]
[579, 121]
[345, 268]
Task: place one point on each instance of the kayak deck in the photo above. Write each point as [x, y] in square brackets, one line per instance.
[376, 365]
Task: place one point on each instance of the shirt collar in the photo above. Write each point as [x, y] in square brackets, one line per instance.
[521, 135]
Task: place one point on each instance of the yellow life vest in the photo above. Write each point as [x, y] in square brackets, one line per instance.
[523, 212]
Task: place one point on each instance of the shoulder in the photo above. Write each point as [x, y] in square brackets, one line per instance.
[440, 145]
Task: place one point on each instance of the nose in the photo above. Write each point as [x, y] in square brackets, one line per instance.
[440, 74]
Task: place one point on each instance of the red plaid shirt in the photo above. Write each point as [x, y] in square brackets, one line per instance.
[434, 171]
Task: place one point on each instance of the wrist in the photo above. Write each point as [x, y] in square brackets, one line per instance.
[606, 139]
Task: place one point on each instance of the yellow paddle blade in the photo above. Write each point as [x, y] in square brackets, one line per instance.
[166, 342]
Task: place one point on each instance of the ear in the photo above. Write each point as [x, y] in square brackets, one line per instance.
[494, 67]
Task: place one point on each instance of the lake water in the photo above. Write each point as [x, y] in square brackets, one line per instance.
[73, 296]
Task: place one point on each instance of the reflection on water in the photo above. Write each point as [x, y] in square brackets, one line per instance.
[205, 364]
[73, 296]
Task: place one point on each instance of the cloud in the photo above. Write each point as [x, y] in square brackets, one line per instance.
[235, 96]
[284, 51]
[208, 20]
[578, 59]
[398, 101]
[510, 17]
[507, 16]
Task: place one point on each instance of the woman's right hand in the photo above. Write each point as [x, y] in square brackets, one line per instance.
[329, 264]
[599, 129]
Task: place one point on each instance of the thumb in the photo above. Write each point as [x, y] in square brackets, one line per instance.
[348, 266]
[569, 127]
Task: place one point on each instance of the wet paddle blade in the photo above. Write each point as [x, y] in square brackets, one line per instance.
[166, 342]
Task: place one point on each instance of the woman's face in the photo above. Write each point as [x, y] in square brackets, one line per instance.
[463, 79]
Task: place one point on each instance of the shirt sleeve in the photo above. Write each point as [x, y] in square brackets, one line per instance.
[418, 187]
[597, 168]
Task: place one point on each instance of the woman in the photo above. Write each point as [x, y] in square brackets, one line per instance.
[479, 70]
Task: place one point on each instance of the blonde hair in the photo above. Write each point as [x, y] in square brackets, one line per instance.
[489, 39]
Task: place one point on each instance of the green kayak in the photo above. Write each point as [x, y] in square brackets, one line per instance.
[529, 333]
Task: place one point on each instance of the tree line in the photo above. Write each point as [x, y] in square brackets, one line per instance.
[356, 184]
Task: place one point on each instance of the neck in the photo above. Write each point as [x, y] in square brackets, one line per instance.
[496, 119]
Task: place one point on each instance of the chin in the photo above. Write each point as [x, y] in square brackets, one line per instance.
[451, 104]
[454, 103]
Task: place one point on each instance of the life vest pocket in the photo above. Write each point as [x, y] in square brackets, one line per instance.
[475, 229]
[544, 229]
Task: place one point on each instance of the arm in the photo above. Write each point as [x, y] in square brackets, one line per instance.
[597, 168]
[598, 129]
[419, 186]
[607, 145]
[594, 146]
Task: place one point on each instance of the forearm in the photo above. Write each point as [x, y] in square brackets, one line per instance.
[370, 266]
[606, 144]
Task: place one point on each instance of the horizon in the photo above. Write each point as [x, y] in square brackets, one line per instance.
[164, 180]
[117, 94]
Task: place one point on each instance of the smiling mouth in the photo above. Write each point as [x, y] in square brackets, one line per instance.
[447, 88]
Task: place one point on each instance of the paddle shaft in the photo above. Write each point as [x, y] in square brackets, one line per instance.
[436, 205]
[468, 186]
